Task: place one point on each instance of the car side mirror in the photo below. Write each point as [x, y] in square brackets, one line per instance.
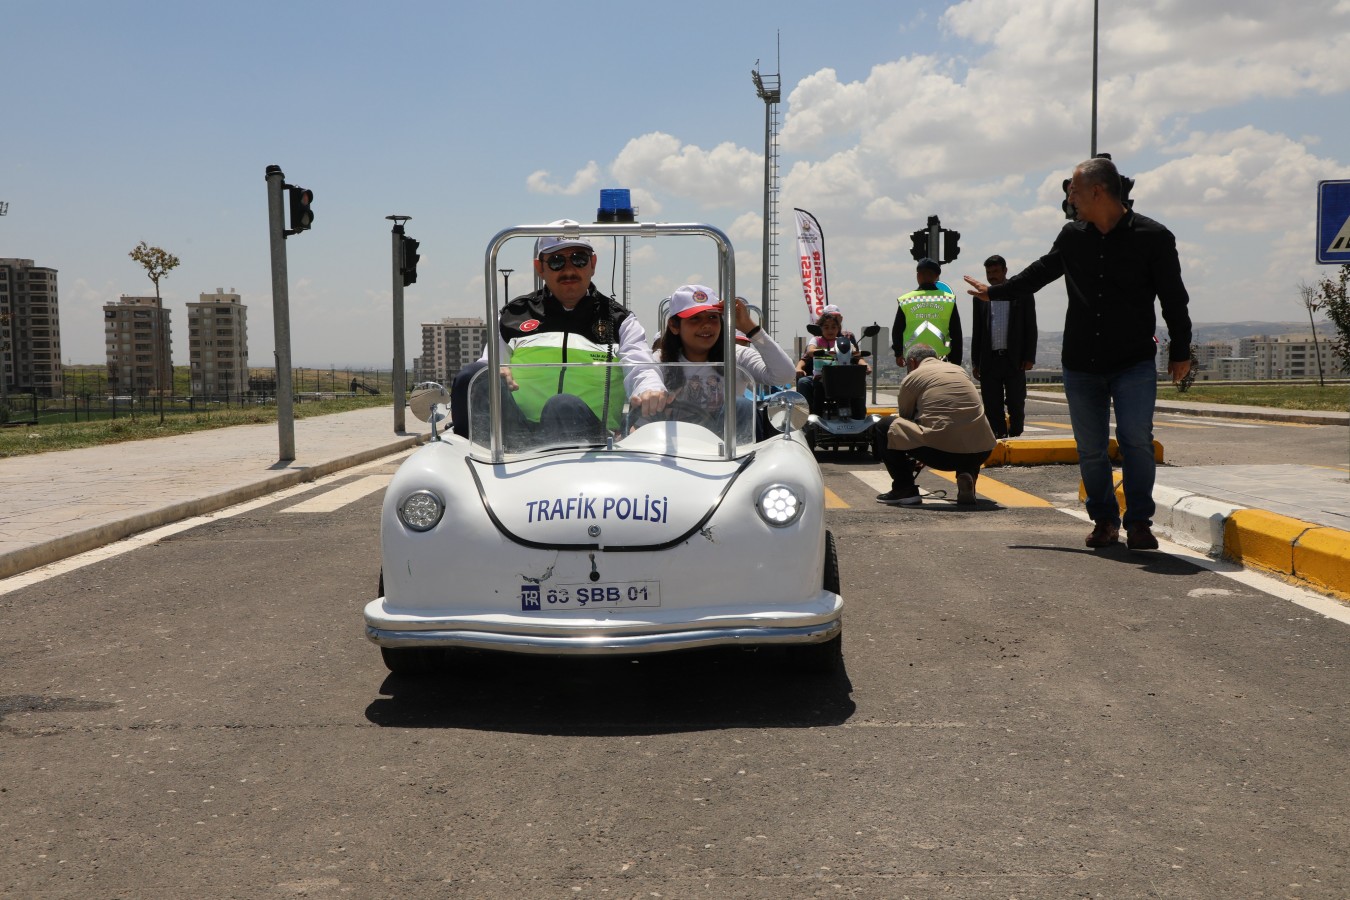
[788, 410]
[427, 402]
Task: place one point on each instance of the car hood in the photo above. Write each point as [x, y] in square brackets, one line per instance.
[603, 500]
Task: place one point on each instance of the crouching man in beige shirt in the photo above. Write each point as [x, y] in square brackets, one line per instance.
[941, 424]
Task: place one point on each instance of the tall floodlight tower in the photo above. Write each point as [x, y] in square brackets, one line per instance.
[770, 91]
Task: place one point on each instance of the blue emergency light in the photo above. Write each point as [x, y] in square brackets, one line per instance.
[616, 205]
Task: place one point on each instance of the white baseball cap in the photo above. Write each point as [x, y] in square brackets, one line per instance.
[692, 299]
[550, 242]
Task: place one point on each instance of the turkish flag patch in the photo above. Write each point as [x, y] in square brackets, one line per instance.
[529, 325]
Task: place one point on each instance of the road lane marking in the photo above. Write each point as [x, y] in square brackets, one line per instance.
[834, 501]
[1062, 425]
[1000, 493]
[331, 501]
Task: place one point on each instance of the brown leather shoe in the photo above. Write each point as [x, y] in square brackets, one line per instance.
[1104, 534]
[1139, 536]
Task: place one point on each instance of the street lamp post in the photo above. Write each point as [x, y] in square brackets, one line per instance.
[1094, 78]
[506, 284]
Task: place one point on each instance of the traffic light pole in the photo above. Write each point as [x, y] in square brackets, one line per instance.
[281, 315]
[399, 375]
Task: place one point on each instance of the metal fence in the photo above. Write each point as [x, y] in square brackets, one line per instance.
[29, 409]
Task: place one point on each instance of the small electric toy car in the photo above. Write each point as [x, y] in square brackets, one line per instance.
[845, 386]
[643, 536]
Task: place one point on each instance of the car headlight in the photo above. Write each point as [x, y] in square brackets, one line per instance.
[779, 505]
[421, 510]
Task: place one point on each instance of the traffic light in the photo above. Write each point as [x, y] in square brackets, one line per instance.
[410, 258]
[302, 215]
[1069, 212]
[1126, 185]
[951, 245]
[919, 243]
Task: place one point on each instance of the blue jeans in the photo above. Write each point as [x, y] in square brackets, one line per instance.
[1133, 392]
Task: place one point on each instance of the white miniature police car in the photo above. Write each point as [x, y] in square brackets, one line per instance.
[643, 535]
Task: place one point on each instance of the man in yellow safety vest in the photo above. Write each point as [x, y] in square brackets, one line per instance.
[927, 315]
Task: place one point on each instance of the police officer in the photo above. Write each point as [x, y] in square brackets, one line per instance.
[927, 315]
[566, 320]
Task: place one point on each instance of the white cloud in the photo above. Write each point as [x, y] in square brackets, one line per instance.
[726, 175]
[584, 181]
[1246, 180]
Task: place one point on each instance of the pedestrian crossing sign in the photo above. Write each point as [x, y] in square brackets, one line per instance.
[1333, 222]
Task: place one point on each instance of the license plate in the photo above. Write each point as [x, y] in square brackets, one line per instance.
[562, 597]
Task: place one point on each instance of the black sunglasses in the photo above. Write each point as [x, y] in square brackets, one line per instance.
[579, 258]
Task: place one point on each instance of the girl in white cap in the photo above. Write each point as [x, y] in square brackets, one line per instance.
[693, 333]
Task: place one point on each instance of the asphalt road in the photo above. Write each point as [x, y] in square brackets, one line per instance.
[1020, 717]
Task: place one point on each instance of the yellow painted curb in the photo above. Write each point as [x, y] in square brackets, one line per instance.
[1262, 538]
[1025, 453]
[1322, 556]
[1031, 452]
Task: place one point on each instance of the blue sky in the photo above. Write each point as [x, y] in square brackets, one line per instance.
[132, 121]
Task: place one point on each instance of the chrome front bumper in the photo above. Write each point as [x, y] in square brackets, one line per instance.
[611, 644]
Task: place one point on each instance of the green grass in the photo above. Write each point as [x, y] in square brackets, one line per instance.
[1332, 398]
[21, 440]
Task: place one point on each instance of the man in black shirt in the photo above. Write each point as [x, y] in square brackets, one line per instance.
[1114, 262]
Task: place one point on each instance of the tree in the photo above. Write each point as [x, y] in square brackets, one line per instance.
[1332, 297]
[1309, 296]
[158, 262]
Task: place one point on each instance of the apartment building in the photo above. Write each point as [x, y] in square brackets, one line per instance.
[30, 330]
[448, 346]
[136, 342]
[1290, 356]
[218, 345]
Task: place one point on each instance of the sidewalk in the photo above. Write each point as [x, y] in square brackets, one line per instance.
[55, 505]
[1293, 520]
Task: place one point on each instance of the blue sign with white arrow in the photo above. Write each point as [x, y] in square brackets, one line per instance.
[1333, 222]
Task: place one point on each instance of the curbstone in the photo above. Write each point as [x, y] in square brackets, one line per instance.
[1201, 520]
[1027, 453]
[1262, 538]
[1031, 452]
[1322, 556]
[1165, 500]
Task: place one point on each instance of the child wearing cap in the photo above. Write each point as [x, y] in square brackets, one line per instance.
[693, 333]
[827, 349]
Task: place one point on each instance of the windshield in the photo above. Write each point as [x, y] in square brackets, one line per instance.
[556, 406]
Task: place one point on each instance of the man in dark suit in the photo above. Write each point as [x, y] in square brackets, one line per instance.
[1003, 350]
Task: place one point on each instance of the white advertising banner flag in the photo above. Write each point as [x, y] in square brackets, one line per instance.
[811, 257]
